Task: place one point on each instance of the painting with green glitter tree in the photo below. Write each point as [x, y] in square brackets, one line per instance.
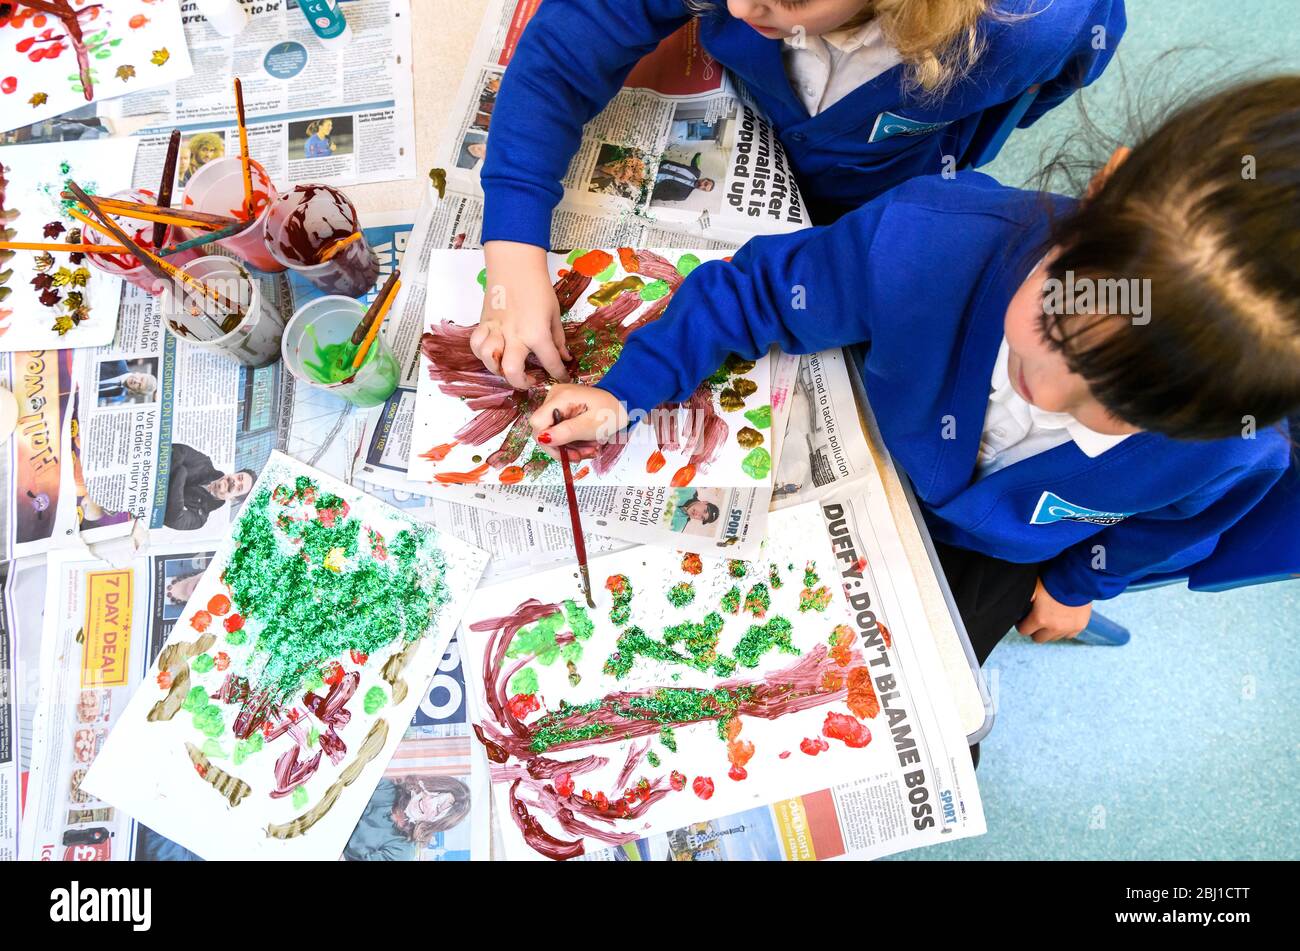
[695, 689]
[472, 427]
[292, 673]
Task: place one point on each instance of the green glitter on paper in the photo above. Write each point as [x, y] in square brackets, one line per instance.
[717, 378]
[579, 620]
[757, 464]
[313, 680]
[758, 600]
[818, 600]
[306, 614]
[524, 682]
[203, 663]
[652, 758]
[810, 576]
[760, 417]
[737, 568]
[731, 600]
[655, 290]
[376, 698]
[237, 638]
[667, 739]
[680, 595]
[299, 797]
[774, 577]
[686, 264]
[761, 638]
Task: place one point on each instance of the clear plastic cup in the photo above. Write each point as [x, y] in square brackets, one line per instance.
[254, 341]
[128, 266]
[304, 222]
[218, 189]
[328, 322]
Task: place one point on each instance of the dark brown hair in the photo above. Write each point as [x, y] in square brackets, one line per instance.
[1208, 210]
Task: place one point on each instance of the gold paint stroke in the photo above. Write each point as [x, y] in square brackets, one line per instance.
[177, 655]
[393, 668]
[374, 742]
[234, 790]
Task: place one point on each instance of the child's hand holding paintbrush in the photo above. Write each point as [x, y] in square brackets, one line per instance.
[579, 418]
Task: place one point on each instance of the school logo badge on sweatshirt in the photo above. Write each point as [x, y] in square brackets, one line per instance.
[1052, 508]
[889, 124]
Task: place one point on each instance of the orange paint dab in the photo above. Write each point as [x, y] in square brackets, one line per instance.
[840, 726]
[862, 695]
[137, 21]
[462, 478]
[683, 477]
[593, 262]
[631, 263]
[582, 473]
[439, 453]
[219, 605]
[655, 462]
[200, 621]
[510, 475]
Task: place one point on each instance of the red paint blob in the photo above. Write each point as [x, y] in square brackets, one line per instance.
[358, 657]
[233, 623]
[8, 84]
[703, 787]
[200, 620]
[784, 754]
[841, 726]
[564, 784]
[522, 704]
[222, 660]
[655, 462]
[219, 605]
[137, 21]
[510, 475]
[602, 801]
[677, 781]
[813, 745]
[165, 679]
[737, 773]
[333, 673]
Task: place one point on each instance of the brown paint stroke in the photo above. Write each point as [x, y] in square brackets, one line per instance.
[393, 667]
[175, 659]
[368, 750]
[232, 789]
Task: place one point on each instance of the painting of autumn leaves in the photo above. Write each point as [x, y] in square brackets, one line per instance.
[56, 55]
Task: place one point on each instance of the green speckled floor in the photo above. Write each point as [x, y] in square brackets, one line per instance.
[1185, 744]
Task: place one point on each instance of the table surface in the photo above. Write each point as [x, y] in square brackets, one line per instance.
[443, 38]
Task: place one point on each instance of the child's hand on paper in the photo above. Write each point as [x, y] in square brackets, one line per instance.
[520, 315]
[1050, 620]
[588, 416]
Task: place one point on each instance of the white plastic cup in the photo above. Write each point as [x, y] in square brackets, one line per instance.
[304, 222]
[331, 320]
[227, 17]
[218, 189]
[254, 342]
[128, 266]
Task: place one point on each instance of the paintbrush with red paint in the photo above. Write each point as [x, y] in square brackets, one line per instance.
[165, 186]
[575, 520]
[243, 149]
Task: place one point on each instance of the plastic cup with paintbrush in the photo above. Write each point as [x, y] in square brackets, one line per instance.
[128, 266]
[249, 332]
[335, 344]
[314, 231]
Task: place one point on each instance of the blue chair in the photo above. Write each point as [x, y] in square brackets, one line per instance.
[1263, 546]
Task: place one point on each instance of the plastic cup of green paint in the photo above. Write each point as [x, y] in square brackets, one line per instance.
[254, 340]
[318, 350]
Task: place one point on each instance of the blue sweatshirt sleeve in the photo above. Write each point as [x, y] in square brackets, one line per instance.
[1166, 540]
[800, 291]
[1090, 53]
[571, 60]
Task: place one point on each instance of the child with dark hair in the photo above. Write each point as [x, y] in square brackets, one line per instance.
[1084, 393]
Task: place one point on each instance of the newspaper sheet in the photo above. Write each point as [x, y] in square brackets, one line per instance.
[22, 600]
[339, 114]
[151, 454]
[100, 618]
[680, 151]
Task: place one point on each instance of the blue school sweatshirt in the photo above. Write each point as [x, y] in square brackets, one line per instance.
[924, 275]
[574, 55]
